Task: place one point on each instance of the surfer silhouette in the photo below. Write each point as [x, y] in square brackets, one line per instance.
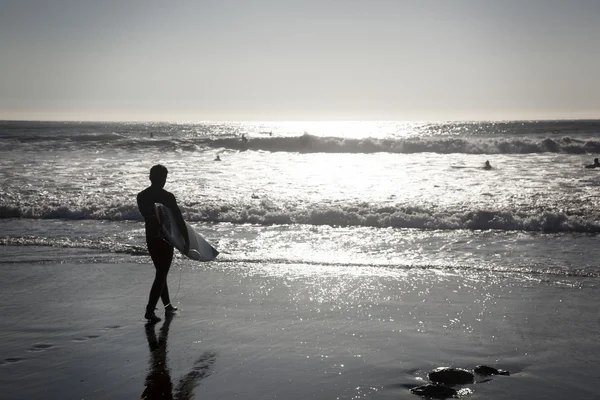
[158, 383]
[596, 164]
[217, 158]
[160, 251]
[487, 165]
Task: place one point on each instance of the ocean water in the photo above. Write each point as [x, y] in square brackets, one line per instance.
[361, 194]
[355, 256]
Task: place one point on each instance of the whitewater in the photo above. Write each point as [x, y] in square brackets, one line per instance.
[385, 193]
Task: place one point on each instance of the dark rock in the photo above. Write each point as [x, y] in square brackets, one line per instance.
[434, 391]
[486, 371]
[451, 376]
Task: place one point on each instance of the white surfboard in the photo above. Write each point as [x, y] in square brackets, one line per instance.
[200, 249]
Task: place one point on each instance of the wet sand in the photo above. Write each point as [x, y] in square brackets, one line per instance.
[268, 331]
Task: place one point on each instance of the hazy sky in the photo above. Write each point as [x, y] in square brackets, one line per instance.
[299, 59]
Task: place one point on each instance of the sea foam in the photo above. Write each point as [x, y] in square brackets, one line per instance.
[261, 213]
[314, 144]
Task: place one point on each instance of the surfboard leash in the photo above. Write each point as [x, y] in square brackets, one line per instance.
[179, 285]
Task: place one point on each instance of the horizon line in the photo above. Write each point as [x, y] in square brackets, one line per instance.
[208, 121]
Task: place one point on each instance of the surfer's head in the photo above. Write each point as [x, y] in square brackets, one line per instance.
[158, 175]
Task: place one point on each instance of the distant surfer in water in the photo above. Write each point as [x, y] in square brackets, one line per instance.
[487, 165]
[217, 158]
[244, 138]
[160, 251]
[596, 164]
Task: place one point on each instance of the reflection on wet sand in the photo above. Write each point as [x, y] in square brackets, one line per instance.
[158, 382]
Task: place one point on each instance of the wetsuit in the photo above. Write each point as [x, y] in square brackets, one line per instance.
[160, 251]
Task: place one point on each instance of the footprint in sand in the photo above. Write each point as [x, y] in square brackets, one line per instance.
[83, 339]
[41, 347]
[111, 327]
[88, 337]
[11, 360]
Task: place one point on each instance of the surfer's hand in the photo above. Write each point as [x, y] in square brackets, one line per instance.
[186, 247]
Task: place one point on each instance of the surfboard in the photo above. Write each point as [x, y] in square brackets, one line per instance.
[200, 249]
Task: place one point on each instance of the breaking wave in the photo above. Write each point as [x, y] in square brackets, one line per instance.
[76, 243]
[314, 144]
[266, 212]
[442, 145]
[507, 137]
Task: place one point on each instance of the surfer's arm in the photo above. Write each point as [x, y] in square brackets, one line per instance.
[145, 206]
[139, 202]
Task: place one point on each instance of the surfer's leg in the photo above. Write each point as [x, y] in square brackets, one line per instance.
[156, 290]
[164, 294]
[161, 254]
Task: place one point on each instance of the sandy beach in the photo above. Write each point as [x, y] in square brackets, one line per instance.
[273, 331]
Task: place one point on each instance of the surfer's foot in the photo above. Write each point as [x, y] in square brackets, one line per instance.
[150, 316]
[170, 309]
